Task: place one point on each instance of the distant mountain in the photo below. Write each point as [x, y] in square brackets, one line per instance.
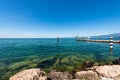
[114, 35]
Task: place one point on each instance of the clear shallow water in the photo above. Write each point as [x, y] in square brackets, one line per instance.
[19, 48]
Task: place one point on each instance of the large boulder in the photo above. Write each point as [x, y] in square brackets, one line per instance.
[87, 75]
[30, 74]
[110, 71]
[54, 75]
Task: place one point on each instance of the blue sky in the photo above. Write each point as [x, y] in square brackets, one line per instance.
[63, 18]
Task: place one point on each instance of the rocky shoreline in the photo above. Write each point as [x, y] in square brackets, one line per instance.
[106, 72]
[90, 71]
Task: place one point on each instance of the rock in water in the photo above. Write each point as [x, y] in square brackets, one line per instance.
[87, 75]
[87, 64]
[117, 61]
[30, 74]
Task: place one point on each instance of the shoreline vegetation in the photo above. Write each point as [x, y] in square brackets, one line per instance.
[63, 62]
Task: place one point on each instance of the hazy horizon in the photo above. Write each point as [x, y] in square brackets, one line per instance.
[63, 18]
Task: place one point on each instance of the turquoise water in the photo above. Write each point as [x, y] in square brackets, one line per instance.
[20, 48]
[48, 54]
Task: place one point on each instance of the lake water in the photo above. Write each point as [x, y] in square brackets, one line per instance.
[19, 48]
[48, 53]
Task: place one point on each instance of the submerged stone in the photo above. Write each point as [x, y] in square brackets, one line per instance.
[117, 61]
[87, 64]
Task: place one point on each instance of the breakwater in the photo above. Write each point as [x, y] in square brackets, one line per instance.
[103, 41]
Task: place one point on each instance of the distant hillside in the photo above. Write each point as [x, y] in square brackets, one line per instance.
[115, 35]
